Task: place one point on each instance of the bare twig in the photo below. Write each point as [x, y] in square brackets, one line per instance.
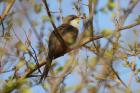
[65, 72]
[92, 9]
[118, 77]
[7, 9]
[5, 13]
[31, 24]
[34, 57]
[129, 26]
[130, 8]
[85, 41]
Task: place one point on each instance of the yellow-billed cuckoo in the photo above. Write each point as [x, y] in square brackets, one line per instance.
[69, 32]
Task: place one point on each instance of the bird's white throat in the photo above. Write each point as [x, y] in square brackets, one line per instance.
[75, 23]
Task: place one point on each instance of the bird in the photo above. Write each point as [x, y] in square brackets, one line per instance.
[68, 30]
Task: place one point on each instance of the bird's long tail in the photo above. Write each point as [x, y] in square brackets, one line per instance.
[46, 69]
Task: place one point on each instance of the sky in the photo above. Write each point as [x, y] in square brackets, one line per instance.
[104, 21]
[67, 9]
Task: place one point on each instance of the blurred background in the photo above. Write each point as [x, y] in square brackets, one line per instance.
[110, 64]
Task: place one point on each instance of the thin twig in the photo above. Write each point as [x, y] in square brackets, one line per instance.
[118, 76]
[66, 71]
[130, 8]
[7, 9]
[31, 24]
[5, 13]
[85, 41]
[34, 52]
[129, 26]
[92, 9]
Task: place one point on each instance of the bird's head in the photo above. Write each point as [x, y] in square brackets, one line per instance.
[72, 20]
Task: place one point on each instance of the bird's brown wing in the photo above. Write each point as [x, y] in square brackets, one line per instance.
[55, 47]
[68, 33]
[64, 28]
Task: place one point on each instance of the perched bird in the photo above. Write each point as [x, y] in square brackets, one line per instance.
[69, 32]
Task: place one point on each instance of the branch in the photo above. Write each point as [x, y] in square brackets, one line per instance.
[131, 5]
[129, 26]
[85, 41]
[25, 10]
[92, 5]
[5, 13]
[91, 11]
[118, 77]
[7, 9]
[67, 68]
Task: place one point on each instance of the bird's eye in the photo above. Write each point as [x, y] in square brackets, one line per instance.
[73, 17]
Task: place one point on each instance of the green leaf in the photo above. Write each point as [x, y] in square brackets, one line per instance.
[21, 46]
[3, 51]
[34, 23]
[59, 69]
[127, 65]
[103, 10]
[111, 5]
[37, 8]
[20, 63]
[25, 89]
[31, 65]
[45, 19]
[107, 32]
[46, 85]
[138, 19]
[108, 53]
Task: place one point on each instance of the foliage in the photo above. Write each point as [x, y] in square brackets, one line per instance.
[103, 57]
